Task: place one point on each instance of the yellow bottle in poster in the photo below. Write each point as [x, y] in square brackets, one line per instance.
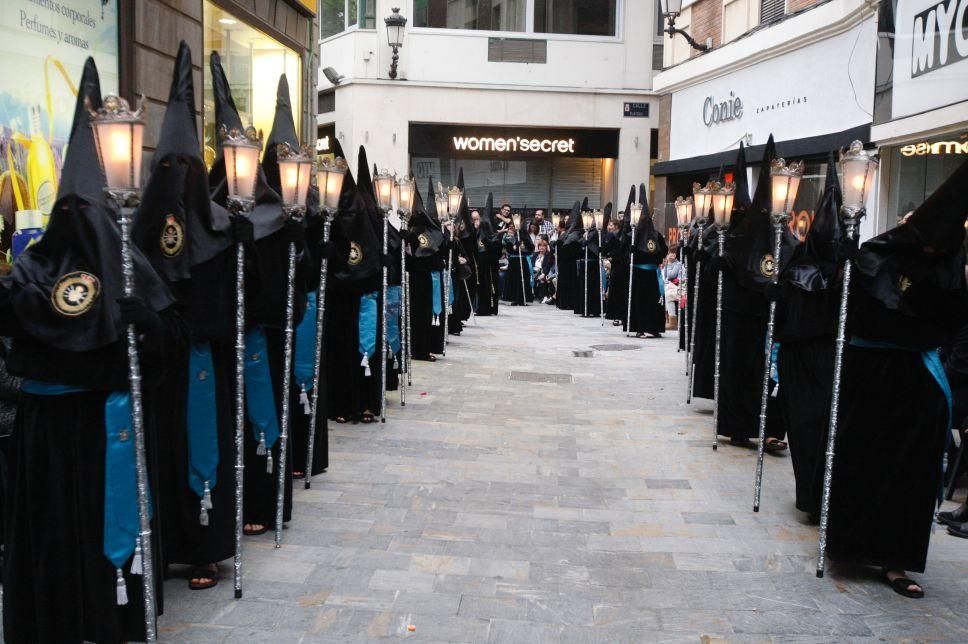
[41, 170]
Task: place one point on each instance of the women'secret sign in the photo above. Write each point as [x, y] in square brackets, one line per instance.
[713, 112]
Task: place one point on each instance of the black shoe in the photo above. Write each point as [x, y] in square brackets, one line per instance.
[958, 516]
[959, 530]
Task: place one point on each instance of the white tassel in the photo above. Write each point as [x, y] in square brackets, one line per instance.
[203, 518]
[261, 449]
[269, 462]
[304, 400]
[137, 566]
[122, 590]
[366, 365]
[776, 390]
[395, 364]
[207, 498]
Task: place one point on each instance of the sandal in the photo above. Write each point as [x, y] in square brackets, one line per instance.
[250, 530]
[207, 577]
[774, 446]
[739, 442]
[298, 476]
[341, 420]
[367, 417]
[901, 585]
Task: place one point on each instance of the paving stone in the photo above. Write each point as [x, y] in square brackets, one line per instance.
[491, 510]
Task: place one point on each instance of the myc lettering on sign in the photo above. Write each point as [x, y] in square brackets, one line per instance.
[513, 144]
[925, 148]
[728, 110]
[940, 36]
[322, 144]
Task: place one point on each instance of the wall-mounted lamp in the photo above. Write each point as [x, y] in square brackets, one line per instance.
[670, 11]
[396, 27]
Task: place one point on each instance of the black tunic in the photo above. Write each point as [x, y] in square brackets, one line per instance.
[648, 312]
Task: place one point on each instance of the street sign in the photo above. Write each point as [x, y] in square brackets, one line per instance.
[637, 110]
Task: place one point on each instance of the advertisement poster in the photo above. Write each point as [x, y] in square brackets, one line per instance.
[43, 45]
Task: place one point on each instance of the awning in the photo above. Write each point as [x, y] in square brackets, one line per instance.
[791, 150]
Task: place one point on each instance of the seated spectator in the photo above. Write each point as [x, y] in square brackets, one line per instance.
[545, 272]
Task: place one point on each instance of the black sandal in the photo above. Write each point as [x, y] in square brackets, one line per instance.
[900, 586]
[254, 532]
[367, 417]
[341, 420]
[774, 446]
[209, 576]
[298, 476]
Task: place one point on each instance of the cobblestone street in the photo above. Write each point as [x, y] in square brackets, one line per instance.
[500, 507]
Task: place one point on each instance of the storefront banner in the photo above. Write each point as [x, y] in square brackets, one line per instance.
[511, 142]
[930, 55]
[43, 45]
[823, 88]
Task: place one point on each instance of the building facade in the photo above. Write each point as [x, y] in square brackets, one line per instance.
[541, 102]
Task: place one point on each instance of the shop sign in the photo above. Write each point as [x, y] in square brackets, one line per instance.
[436, 140]
[942, 148]
[322, 144]
[714, 111]
[930, 55]
[512, 144]
[636, 110]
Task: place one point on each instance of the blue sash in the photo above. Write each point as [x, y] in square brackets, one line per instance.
[368, 328]
[437, 304]
[260, 397]
[202, 426]
[120, 520]
[304, 346]
[450, 293]
[658, 274]
[393, 318]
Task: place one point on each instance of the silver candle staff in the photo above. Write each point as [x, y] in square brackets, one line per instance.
[443, 214]
[118, 135]
[701, 211]
[587, 220]
[635, 213]
[785, 180]
[295, 174]
[684, 219]
[518, 221]
[720, 200]
[384, 182]
[599, 218]
[858, 169]
[330, 176]
[241, 154]
[405, 191]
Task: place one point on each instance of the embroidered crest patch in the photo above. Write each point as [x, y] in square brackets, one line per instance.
[651, 246]
[767, 265]
[75, 293]
[356, 254]
[172, 237]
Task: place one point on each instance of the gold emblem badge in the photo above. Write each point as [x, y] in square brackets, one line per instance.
[423, 240]
[75, 293]
[767, 265]
[480, 245]
[172, 237]
[356, 254]
[904, 283]
[651, 246]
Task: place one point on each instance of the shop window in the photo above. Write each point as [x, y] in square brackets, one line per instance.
[918, 169]
[332, 17]
[487, 15]
[253, 63]
[579, 17]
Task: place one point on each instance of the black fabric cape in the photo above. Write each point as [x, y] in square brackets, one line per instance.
[568, 251]
[616, 248]
[488, 254]
[648, 290]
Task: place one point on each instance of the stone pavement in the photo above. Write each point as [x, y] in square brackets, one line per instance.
[588, 509]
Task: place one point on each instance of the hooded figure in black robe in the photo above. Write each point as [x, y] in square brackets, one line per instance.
[465, 281]
[907, 299]
[267, 268]
[188, 241]
[354, 272]
[617, 249]
[806, 327]
[427, 261]
[72, 519]
[747, 273]
[519, 276]
[488, 254]
[568, 251]
[648, 289]
[589, 277]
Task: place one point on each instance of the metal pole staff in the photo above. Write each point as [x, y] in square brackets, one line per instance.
[628, 310]
[682, 289]
[239, 404]
[137, 423]
[690, 366]
[586, 274]
[721, 242]
[524, 291]
[404, 331]
[778, 222]
[601, 278]
[329, 216]
[383, 321]
[446, 307]
[294, 214]
[828, 471]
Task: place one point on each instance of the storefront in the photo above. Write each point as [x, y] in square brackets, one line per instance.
[533, 167]
[809, 112]
[921, 102]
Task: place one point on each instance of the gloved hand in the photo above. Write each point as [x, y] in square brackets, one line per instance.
[294, 232]
[135, 311]
[327, 249]
[243, 232]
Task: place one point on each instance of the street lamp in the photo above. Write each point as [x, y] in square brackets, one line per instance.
[329, 178]
[859, 169]
[118, 135]
[785, 182]
[396, 27]
[670, 11]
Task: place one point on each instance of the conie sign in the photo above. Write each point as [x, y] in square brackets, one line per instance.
[716, 112]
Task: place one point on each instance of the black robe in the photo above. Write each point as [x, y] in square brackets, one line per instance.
[518, 274]
[428, 338]
[617, 296]
[488, 254]
[648, 294]
[703, 317]
[567, 291]
[592, 286]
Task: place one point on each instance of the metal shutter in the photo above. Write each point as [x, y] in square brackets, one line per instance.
[574, 179]
[770, 10]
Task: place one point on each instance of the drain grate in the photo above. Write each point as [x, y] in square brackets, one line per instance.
[616, 347]
[583, 353]
[534, 376]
